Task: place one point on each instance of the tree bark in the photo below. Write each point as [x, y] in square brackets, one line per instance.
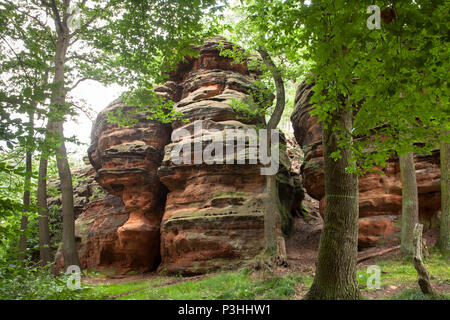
[423, 279]
[338, 249]
[444, 231]
[26, 204]
[410, 203]
[27, 186]
[44, 232]
[272, 218]
[69, 249]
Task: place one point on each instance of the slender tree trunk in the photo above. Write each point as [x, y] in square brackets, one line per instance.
[69, 248]
[44, 232]
[444, 232]
[272, 218]
[336, 265]
[27, 186]
[410, 203]
[424, 278]
[70, 253]
[26, 203]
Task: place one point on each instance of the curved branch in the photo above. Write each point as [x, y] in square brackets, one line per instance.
[279, 84]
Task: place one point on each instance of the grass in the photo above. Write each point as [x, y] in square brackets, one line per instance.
[109, 291]
[222, 286]
[242, 285]
[415, 294]
[400, 272]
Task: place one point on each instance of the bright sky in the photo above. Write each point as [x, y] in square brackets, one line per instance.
[97, 97]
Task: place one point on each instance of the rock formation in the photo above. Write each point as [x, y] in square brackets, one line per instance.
[126, 160]
[380, 196]
[214, 213]
[98, 216]
[186, 218]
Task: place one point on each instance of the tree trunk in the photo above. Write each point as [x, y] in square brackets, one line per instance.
[27, 186]
[410, 203]
[338, 249]
[26, 204]
[69, 249]
[444, 232]
[271, 216]
[424, 278]
[273, 240]
[44, 232]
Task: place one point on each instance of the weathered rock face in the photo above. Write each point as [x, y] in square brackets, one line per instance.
[194, 217]
[380, 196]
[214, 214]
[126, 161]
[97, 237]
[99, 215]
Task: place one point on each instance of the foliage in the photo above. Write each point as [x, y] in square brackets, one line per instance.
[155, 109]
[246, 26]
[11, 187]
[145, 44]
[29, 282]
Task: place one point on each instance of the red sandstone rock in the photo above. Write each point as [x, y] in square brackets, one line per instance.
[96, 234]
[126, 160]
[379, 195]
[372, 229]
[212, 216]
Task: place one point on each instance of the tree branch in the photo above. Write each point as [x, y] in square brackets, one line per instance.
[279, 83]
[55, 11]
[77, 83]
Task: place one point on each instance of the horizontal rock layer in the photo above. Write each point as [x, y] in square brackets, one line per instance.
[126, 160]
[214, 215]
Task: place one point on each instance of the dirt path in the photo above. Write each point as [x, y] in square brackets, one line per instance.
[302, 246]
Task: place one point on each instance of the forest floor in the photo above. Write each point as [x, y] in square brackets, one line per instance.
[398, 278]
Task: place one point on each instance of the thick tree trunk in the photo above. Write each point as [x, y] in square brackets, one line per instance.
[410, 203]
[338, 249]
[44, 232]
[444, 233]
